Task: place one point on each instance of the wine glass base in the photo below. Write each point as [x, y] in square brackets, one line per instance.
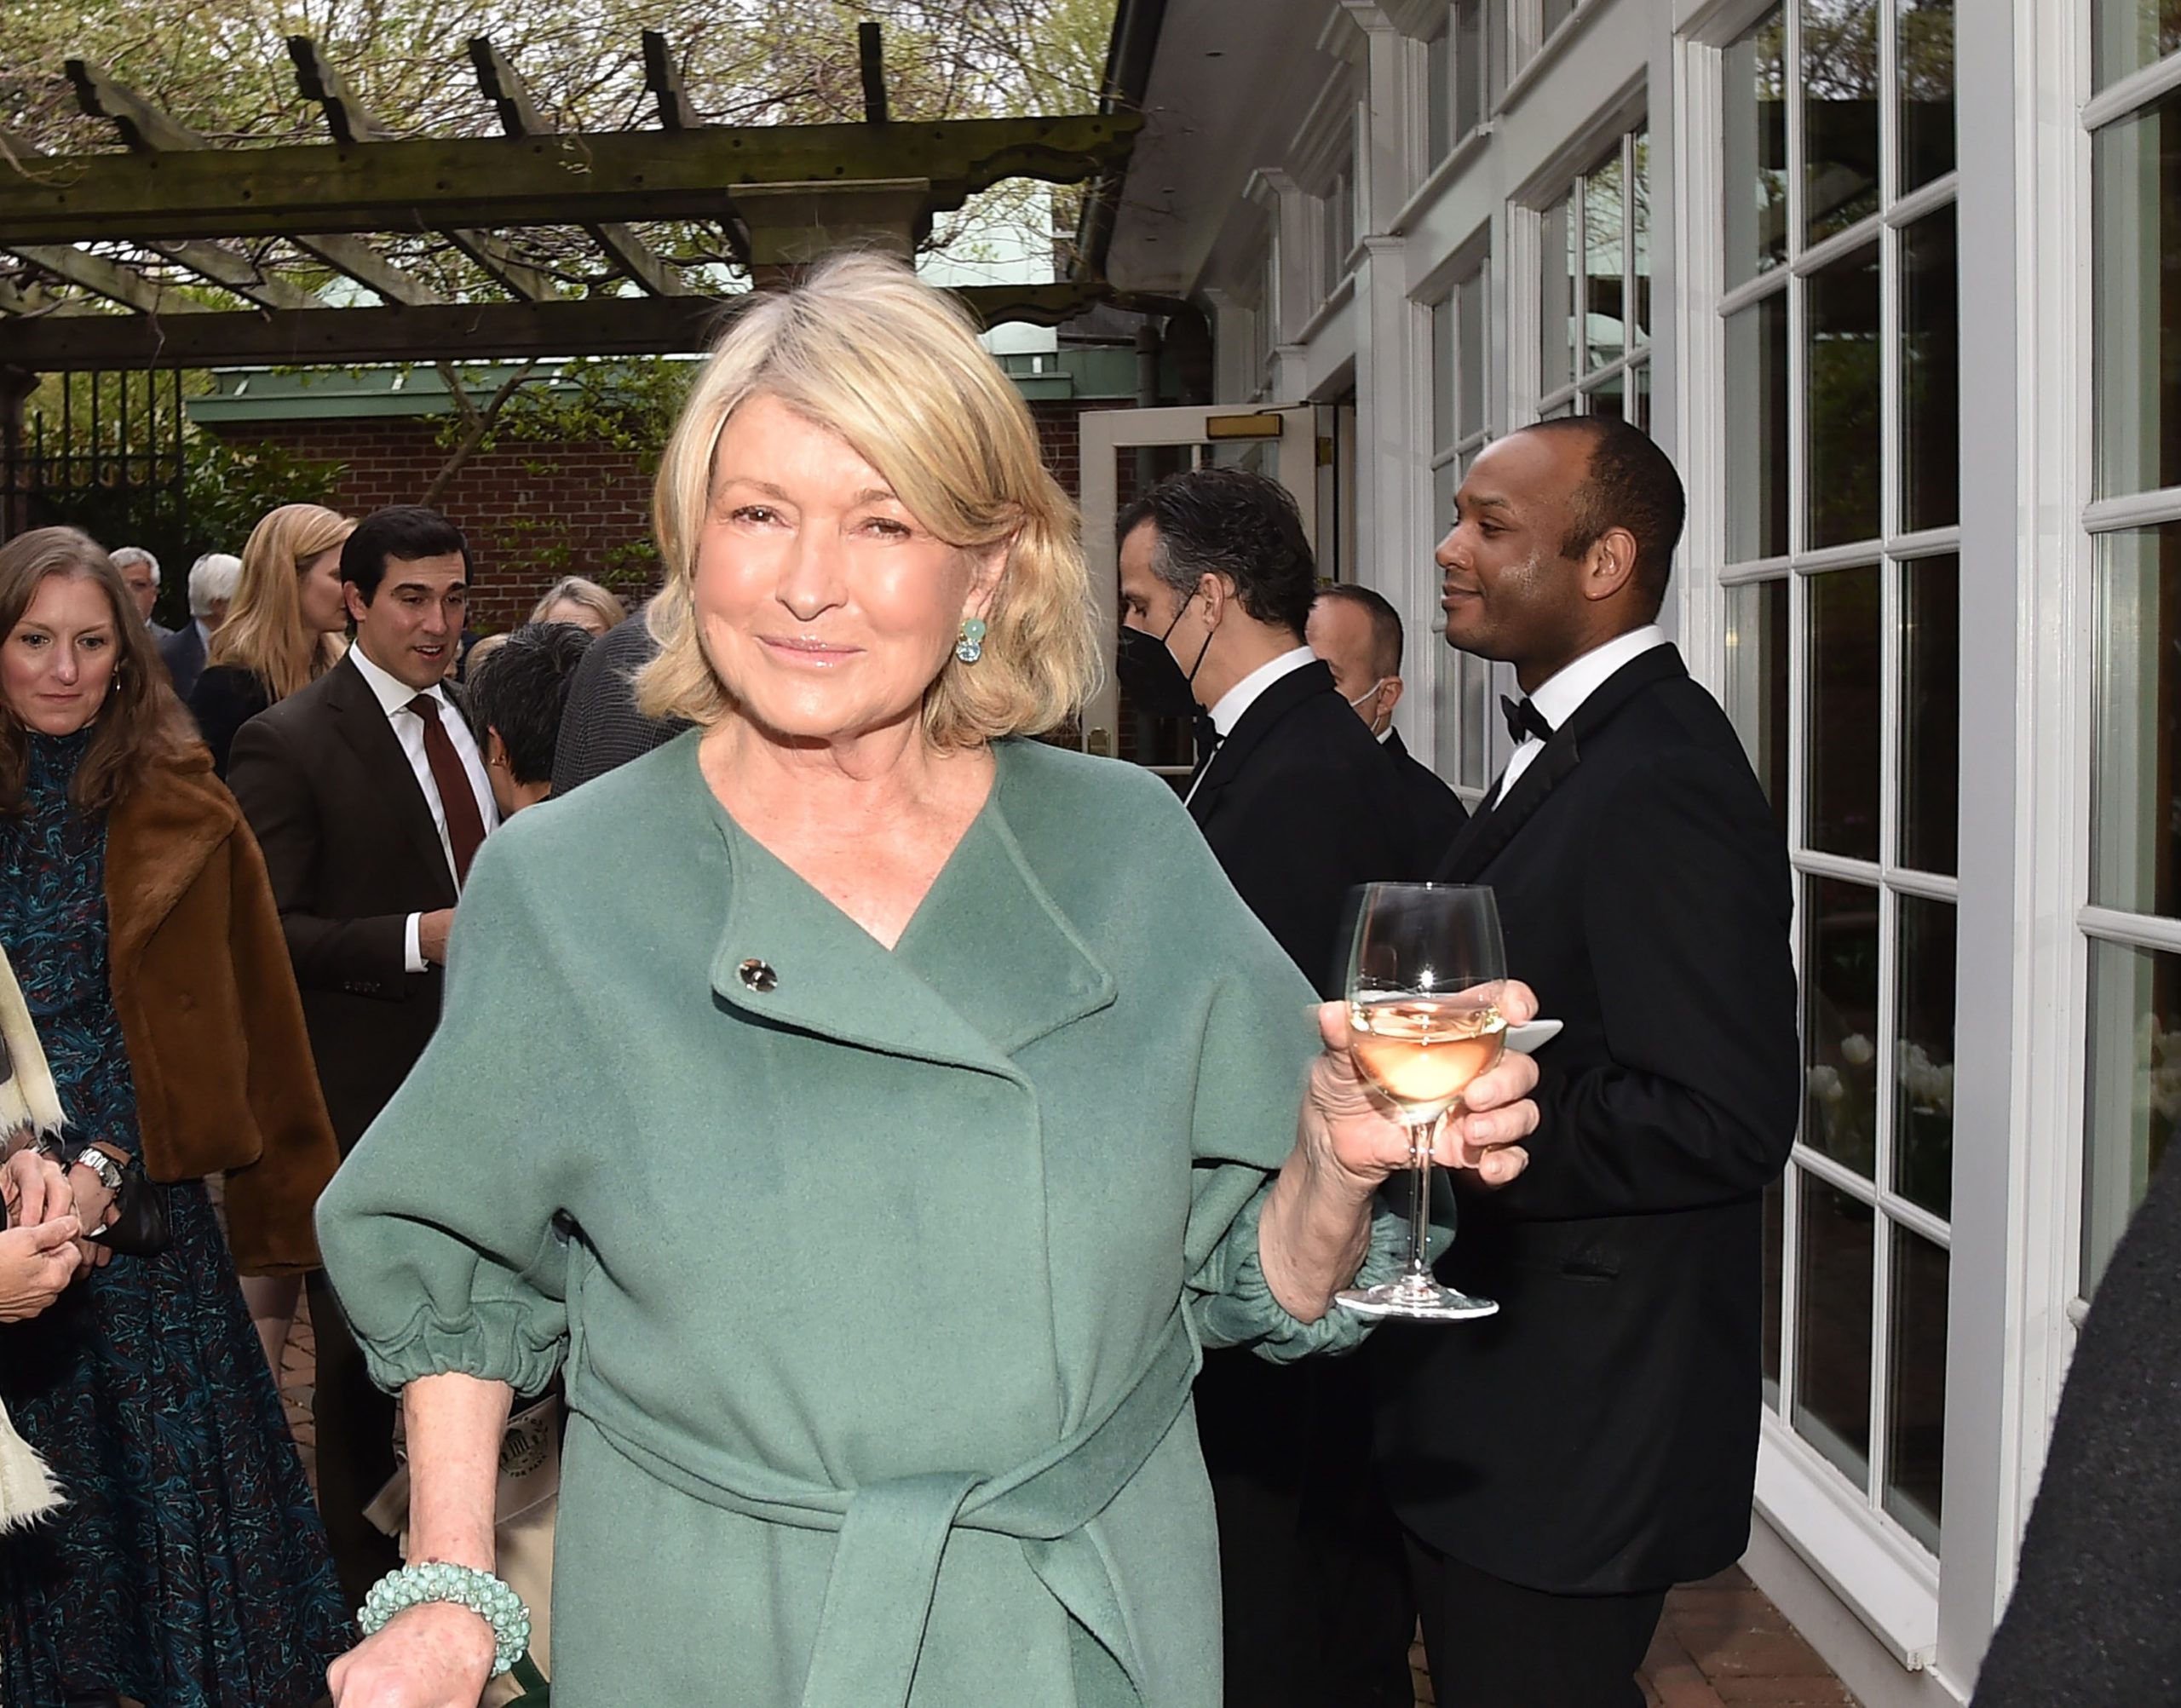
[1401, 1299]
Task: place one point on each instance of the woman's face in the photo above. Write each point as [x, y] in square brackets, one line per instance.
[319, 592]
[568, 611]
[57, 663]
[826, 609]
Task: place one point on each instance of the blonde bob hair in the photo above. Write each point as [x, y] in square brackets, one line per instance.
[576, 590]
[264, 632]
[893, 367]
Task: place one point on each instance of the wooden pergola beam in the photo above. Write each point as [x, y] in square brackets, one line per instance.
[148, 128]
[210, 260]
[433, 184]
[663, 77]
[479, 332]
[503, 86]
[352, 124]
[109, 279]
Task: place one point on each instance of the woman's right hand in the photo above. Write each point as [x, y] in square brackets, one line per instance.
[36, 1262]
[439, 1655]
[33, 1187]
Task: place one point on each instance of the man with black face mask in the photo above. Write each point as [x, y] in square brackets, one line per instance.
[1299, 805]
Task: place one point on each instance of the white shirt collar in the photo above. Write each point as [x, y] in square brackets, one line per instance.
[1561, 697]
[392, 692]
[1228, 711]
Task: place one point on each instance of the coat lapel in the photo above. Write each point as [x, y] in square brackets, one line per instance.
[1487, 832]
[1250, 729]
[987, 964]
[363, 728]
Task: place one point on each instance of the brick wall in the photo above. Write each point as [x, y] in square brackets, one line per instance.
[534, 513]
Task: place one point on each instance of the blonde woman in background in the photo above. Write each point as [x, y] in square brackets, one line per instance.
[284, 627]
[584, 603]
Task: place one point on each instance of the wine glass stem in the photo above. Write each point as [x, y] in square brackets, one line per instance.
[1420, 1137]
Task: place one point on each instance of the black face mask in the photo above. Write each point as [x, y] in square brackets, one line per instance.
[1153, 676]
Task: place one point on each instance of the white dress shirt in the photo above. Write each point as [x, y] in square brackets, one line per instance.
[1561, 696]
[1226, 710]
[394, 696]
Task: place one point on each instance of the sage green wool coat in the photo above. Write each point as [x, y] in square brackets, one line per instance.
[876, 1292]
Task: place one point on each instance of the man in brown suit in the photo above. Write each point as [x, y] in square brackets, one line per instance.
[369, 798]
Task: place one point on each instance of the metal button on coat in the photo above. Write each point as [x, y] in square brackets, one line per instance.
[757, 975]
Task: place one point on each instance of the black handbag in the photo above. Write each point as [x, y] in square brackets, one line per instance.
[140, 1226]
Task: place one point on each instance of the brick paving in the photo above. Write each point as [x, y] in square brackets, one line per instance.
[1722, 1643]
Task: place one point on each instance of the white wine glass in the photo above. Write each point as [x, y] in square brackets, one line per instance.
[1425, 971]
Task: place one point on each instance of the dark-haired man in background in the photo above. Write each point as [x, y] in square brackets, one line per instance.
[517, 693]
[1299, 805]
[1558, 1466]
[368, 794]
[1358, 633]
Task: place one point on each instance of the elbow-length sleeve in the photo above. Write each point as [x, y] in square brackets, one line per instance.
[443, 1233]
[1259, 1036]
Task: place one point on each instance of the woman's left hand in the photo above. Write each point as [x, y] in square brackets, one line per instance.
[1349, 1130]
[95, 1208]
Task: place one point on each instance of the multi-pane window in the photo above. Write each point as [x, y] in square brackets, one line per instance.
[1336, 226]
[1460, 427]
[1841, 364]
[1457, 80]
[1535, 22]
[1594, 302]
[2132, 1053]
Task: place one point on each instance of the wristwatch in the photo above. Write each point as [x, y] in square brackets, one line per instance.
[100, 1164]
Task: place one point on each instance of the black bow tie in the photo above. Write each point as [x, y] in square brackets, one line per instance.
[1524, 721]
[1207, 735]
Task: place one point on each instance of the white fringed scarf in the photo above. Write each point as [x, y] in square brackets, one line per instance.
[27, 1099]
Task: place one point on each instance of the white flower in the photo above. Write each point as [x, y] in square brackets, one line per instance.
[1855, 1050]
[1824, 1084]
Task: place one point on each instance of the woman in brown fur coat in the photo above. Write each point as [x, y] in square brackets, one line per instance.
[189, 1568]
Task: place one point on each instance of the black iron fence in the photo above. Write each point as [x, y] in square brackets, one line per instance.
[104, 451]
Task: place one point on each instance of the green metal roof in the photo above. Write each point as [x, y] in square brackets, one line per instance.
[242, 395]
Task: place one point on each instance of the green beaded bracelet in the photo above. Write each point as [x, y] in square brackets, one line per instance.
[465, 1586]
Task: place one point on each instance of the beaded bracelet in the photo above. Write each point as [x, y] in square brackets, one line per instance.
[464, 1586]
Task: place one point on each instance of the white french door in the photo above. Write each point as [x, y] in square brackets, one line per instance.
[1124, 452]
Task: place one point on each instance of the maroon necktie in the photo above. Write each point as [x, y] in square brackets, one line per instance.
[465, 829]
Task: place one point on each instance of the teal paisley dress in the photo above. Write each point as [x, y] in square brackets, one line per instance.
[189, 1568]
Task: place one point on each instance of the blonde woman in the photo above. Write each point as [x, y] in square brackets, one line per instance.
[871, 1154]
[584, 603]
[285, 628]
[285, 625]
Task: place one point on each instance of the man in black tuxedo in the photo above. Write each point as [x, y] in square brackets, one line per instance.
[1358, 633]
[1557, 1467]
[369, 798]
[1299, 805]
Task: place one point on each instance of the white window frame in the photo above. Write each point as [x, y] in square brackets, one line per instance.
[1526, 401]
[1449, 669]
[1893, 552]
[2125, 99]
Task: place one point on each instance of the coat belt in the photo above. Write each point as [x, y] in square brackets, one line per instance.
[886, 1565]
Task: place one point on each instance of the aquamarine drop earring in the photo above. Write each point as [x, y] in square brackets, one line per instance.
[971, 646]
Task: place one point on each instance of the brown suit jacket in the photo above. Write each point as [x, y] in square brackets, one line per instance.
[353, 851]
[209, 1013]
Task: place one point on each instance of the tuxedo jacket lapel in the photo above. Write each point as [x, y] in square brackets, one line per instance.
[1250, 729]
[1490, 830]
[363, 729]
